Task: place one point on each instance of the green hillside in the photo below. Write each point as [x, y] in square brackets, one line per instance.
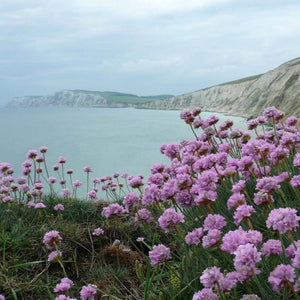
[123, 98]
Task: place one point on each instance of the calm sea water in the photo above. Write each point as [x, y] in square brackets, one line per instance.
[109, 140]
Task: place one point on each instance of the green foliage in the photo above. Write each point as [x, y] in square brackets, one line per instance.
[116, 98]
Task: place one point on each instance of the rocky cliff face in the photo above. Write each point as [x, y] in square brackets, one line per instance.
[246, 97]
[61, 99]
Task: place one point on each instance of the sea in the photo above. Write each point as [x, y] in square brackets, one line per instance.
[108, 140]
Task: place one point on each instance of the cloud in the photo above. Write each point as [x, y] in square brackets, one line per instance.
[170, 46]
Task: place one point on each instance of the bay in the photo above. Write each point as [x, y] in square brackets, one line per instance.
[107, 139]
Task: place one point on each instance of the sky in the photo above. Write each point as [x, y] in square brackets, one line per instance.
[144, 47]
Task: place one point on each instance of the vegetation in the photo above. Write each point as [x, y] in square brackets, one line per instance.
[242, 79]
[219, 222]
[123, 98]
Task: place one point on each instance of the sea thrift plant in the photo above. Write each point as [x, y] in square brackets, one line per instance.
[159, 254]
[170, 218]
[52, 239]
[218, 221]
[88, 292]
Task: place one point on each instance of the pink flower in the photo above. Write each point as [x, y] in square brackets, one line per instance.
[212, 238]
[64, 285]
[215, 221]
[297, 160]
[283, 219]
[246, 256]
[59, 207]
[92, 195]
[31, 204]
[61, 160]
[232, 239]
[159, 254]
[131, 200]
[271, 247]
[43, 149]
[291, 121]
[7, 199]
[229, 281]
[77, 183]
[290, 250]
[235, 200]
[64, 297]
[170, 218]
[210, 277]
[280, 276]
[55, 167]
[143, 214]
[205, 294]
[4, 167]
[54, 256]
[2, 297]
[243, 212]
[39, 159]
[66, 193]
[194, 237]
[295, 181]
[88, 292]
[112, 209]
[87, 170]
[40, 205]
[98, 231]
[140, 239]
[297, 285]
[116, 242]
[51, 180]
[136, 182]
[32, 154]
[51, 239]
[187, 116]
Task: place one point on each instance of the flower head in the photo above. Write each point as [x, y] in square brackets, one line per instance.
[271, 247]
[61, 160]
[170, 218]
[54, 256]
[246, 256]
[51, 239]
[40, 205]
[159, 254]
[112, 209]
[143, 214]
[215, 221]
[283, 219]
[87, 170]
[59, 207]
[280, 276]
[32, 154]
[205, 294]
[98, 231]
[88, 292]
[194, 237]
[210, 277]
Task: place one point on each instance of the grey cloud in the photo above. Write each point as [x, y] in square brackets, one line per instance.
[144, 47]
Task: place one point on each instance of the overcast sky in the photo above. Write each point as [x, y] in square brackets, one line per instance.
[144, 47]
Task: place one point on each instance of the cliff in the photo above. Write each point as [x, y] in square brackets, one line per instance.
[81, 98]
[245, 97]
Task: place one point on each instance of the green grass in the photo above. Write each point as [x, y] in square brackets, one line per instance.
[24, 270]
[124, 98]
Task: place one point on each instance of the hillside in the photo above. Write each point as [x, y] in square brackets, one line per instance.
[245, 97]
[82, 98]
